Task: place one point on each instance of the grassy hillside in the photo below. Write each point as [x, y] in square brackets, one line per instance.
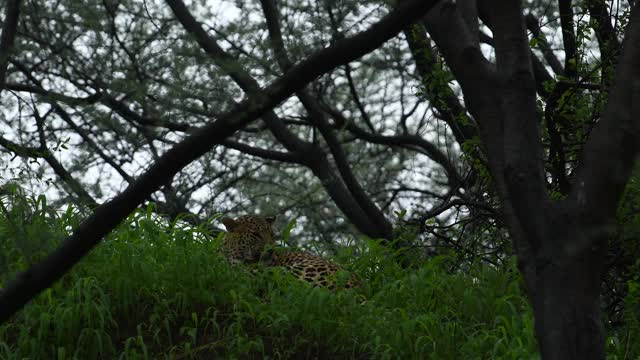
[154, 291]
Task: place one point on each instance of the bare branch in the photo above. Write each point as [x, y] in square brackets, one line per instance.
[404, 140]
[615, 141]
[8, 36]
[351, 199]
[318, 118]
[533, 25]
[523, 166]
[568, 38]
[442, 96]
[280, 156]
[605, 33]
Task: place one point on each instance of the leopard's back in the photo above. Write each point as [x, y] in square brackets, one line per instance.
[313, 269]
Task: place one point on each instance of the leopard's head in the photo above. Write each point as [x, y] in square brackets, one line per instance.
[247, 237]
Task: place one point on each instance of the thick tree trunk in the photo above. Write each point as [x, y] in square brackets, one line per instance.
[566, 297]
[568, 318]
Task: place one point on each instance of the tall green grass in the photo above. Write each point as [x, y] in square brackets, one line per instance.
[156, 290]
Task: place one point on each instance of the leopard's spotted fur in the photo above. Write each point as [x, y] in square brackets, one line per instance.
[311, 268]
[247, 238]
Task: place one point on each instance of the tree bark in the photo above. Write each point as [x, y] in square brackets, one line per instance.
[7, 37]
[561, 245]
[568, 321]
[566, 289]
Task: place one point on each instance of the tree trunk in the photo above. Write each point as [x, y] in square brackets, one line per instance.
[566, 296]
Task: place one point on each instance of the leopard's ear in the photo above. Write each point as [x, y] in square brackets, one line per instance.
[270, 219]
[229, 223]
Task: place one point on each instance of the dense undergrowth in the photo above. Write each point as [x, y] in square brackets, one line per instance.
[153, 290]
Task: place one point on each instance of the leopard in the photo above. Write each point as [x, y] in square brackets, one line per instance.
[246, 238]
[250, 239]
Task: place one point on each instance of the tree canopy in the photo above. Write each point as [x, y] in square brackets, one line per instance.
[483, 127]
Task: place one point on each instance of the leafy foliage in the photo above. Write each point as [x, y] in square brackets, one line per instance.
[155, 289]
